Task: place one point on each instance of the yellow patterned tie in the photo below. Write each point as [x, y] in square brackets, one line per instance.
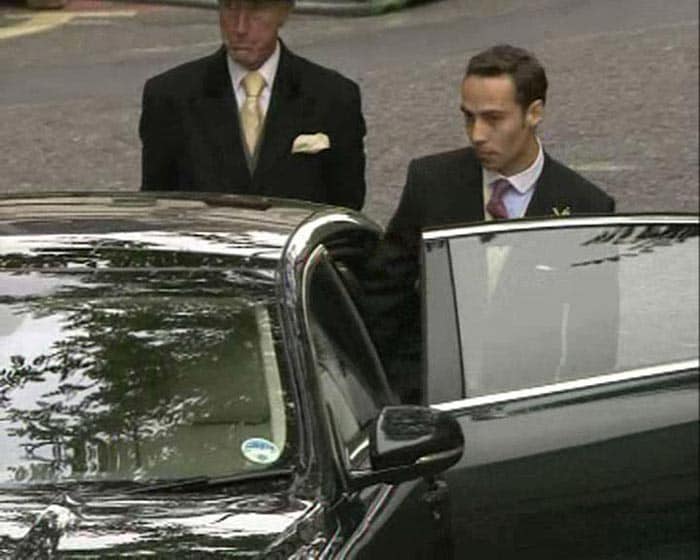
[251, 112]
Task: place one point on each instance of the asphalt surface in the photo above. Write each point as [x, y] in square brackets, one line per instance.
[622, 108]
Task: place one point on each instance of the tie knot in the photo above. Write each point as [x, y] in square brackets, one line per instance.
[499, 188]
[496, 207]
[253, 84]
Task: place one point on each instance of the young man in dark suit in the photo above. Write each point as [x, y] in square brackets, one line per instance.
[254, 118]
[504, 174]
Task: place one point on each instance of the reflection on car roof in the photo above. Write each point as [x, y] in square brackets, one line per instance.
[131, 212]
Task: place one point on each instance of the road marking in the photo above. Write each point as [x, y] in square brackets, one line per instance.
[36, 24]
[602, 166]
[50, 20]
[105, 14]
[173, 48]
[89, 22]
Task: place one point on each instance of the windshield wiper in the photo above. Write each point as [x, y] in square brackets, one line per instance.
[196, 482]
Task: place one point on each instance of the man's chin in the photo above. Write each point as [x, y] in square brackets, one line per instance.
[488, 162]
[245, 58]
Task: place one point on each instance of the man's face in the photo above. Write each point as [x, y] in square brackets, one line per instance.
[250, 28]
[500, 130]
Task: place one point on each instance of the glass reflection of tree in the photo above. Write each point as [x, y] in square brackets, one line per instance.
[125, 367]
[636, 240]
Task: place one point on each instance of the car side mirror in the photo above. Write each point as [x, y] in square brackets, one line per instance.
[410, 442]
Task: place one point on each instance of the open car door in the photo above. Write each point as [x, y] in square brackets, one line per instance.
[568, 351]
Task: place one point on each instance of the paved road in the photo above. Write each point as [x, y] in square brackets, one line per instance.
[623, 104]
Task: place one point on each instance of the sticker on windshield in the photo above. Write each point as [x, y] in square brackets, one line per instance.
[259, 450]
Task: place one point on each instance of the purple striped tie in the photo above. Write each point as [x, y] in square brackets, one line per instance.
[495, 206]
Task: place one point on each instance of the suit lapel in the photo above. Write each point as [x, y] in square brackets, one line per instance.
[217, 111]
[470, 202]
[547, 193]
[284, 116]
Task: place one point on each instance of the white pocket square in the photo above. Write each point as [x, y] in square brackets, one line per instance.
[310, 143]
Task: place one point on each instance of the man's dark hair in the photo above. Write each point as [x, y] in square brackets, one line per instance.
[527, 72]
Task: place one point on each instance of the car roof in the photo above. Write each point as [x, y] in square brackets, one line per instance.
[103, 228]
[66, 213]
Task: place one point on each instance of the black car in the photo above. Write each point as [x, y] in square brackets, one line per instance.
[192, 376]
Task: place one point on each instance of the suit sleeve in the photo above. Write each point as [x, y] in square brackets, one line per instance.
[159, 132]
[393, 303]
[406, 223]
[345, 167]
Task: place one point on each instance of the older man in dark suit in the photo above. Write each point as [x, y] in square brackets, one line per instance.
[254, 118]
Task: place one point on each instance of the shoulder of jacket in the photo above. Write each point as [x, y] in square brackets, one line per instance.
[443, 160]
[575, 181]
[325, 77]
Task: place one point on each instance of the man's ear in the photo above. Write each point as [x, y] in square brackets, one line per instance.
[534, 113]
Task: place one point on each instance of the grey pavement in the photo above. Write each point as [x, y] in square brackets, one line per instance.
[623, 103]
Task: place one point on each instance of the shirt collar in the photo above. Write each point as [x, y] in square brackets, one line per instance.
[526, 179]
[268, 69]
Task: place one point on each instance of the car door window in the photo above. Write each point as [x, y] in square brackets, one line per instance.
[529, 306]
[350, 376]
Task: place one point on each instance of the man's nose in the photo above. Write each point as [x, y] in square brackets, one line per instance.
[477, 132]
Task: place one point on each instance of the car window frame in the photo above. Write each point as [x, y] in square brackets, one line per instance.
[553, 393]
[321, 256]
[318, 453]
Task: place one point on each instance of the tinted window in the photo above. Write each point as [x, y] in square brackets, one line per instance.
[348, 370]
[540, 306]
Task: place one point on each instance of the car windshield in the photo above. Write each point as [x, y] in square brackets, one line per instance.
[138, 374]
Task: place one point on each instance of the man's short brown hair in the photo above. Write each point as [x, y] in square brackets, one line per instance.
[528, 74]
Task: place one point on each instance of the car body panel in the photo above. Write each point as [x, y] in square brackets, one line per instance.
[117, 524]
[617, 469]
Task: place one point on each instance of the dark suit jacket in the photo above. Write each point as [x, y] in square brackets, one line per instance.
[447, 188]
[192, 141]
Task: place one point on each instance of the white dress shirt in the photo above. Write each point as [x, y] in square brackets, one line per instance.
[268, 71]
[516, 199]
